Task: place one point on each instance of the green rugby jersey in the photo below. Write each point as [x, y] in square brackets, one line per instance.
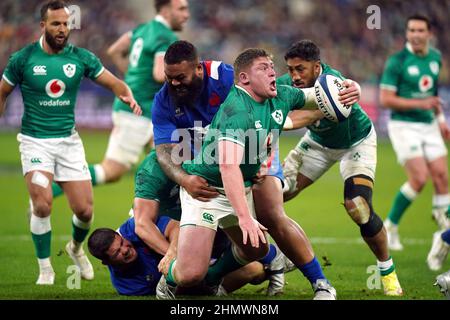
[255, 126]
[49, 84]
[342, 135]
[151, 183]
[413, 77]
[147, 40]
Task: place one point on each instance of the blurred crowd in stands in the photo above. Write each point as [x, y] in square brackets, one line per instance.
[221, 28]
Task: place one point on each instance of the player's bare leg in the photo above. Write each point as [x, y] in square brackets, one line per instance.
[358, 203]
[193, 255]
[288, 235]
[441, 198]
[286, 232]
[301, 182]
[113, 170]
[417, 173]
[79, 195]
[39, 188]
[251, 273]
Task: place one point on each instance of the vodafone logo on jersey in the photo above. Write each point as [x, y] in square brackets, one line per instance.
[425, 83]
[55, 88]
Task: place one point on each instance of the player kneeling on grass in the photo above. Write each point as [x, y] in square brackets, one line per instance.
[49, 72]
[135, 268]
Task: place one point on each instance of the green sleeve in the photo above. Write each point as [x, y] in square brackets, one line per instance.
[92, 65]
[294, 97]
[13, 73]
[391, 74]
[146, 186]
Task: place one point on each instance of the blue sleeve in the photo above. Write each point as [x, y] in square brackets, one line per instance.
[162, 223]
[163, 125]
[127, 230]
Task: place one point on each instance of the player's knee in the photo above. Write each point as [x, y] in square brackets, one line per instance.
[188, 277]
[358, 203]
[358, 198]
[42, 208]
[83, 212]
[440, 179]
[418, 181]
[358, 209]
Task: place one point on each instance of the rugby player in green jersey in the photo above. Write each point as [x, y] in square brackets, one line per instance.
[353, 143]
[409, 88]
[229, 161]
[49, 73]
[139, 54]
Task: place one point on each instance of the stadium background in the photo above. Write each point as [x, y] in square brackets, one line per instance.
[220, 29]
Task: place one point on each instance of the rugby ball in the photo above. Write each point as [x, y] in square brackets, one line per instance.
[326, 89]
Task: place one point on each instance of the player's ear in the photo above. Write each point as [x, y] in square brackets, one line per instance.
[42, 25]
[243, 77]
[317, 68]
[199, 69]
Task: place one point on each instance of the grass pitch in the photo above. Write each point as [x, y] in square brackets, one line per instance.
[345, 258]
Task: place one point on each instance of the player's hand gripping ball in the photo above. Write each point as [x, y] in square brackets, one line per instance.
[326, 89]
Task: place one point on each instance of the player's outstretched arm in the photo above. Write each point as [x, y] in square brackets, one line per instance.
[5, 90]
[120, 89]
[230, 157]
[118, 52]
[389, 99]
[301, 118]
[145, 215]
[196, 186]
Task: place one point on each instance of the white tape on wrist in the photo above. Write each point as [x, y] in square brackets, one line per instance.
[288, 124]
[441, 118]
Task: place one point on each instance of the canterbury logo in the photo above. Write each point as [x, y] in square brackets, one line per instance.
[208, 217]
[40, 70]
[35, 160]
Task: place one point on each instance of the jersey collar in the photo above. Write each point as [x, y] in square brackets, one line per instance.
[410, 49]
[239, 87]
[161, 19]
[41, 45]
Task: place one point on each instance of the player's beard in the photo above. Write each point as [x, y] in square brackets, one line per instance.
[51, 41]
[186, 94]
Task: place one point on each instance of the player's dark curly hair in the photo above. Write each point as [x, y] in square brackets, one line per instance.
[159, 4]
[180, 51]
[51, 5]
[246, 58]
[420, 17]
[99, 242]
[303, 49]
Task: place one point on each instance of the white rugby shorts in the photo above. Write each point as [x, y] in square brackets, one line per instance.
[128, 138]
[62, 157]
[312, 160]
[416, 139]
[217, 212]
